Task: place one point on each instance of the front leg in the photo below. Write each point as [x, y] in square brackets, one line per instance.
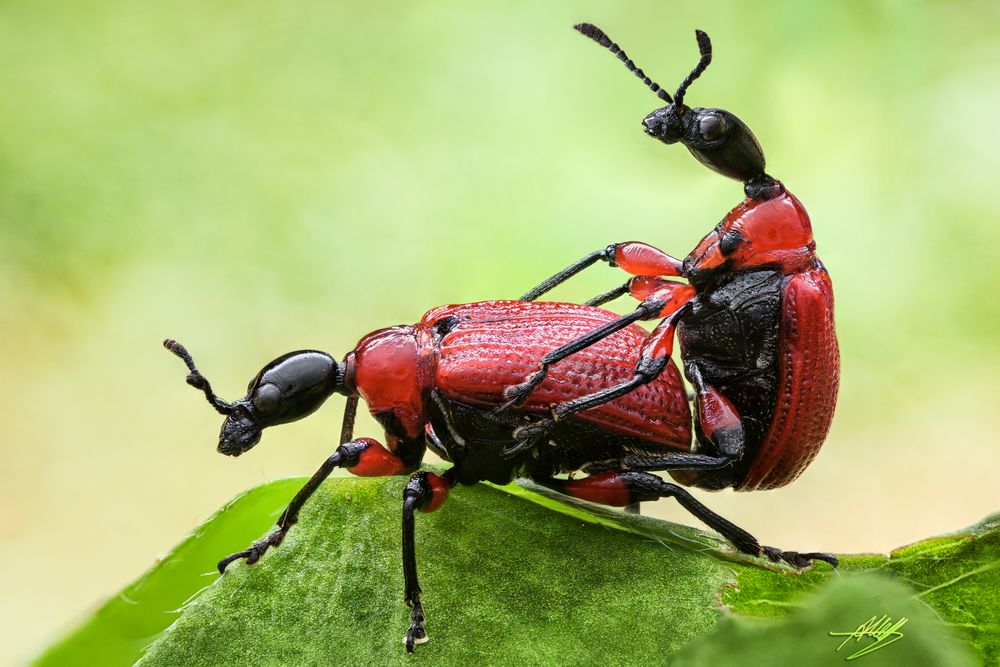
[654, 355]
[665, 300]
[633, 257]
[425, 492]
[517, 394]
[364, 457]
[719, 423]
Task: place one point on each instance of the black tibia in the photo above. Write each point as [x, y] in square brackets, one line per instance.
[610, 295]
[346, 455]
[647, 370]
[517, 394]
[605, 254]
[416, 494]
[645, 486]
[526, 435]
[347, 425]
[672, 461]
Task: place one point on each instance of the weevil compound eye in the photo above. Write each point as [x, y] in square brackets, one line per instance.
[712, 127]
[266, 399]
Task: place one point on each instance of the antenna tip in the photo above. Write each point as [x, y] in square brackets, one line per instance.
[704, 43]
[592, 31]
[174, 347]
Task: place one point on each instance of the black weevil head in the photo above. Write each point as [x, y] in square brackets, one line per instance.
[715, 137]
[287, 389]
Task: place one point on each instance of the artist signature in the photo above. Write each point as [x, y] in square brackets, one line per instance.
[882, 630]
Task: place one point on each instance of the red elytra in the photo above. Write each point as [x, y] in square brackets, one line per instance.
[809, 378]
[495, 343]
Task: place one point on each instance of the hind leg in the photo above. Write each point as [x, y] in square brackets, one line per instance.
[622, 487]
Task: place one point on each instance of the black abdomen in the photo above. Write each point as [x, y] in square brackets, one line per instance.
[731, 336]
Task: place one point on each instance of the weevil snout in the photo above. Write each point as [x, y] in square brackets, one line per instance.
[664, 124]
[240, 432]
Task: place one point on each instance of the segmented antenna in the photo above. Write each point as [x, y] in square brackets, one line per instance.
[596, 34]
[705, 47]
[196, 379]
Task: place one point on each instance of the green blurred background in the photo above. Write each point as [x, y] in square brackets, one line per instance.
[253, 178]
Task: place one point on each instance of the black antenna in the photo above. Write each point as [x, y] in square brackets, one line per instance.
[196, 379]
[596, 34]
[705, 47]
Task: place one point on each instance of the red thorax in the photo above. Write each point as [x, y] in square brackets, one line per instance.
[758, 233]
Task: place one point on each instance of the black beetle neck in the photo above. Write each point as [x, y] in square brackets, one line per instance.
[762, 187]
[345, 375]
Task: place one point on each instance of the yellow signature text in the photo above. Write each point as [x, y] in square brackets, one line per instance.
[882, 630]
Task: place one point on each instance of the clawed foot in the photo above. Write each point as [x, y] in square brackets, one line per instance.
[533, 430]
[526, 436]
[797, 560]
[255, 551]
[416, 634]
[517, 394]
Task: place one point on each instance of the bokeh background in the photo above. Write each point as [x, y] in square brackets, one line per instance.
[254, 177]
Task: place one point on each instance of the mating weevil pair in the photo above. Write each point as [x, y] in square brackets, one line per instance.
[539, 389]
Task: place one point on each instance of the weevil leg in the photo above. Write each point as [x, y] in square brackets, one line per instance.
[364, 456]
[659, 299]
[653, 358]
[425, 492]
[671, 461]
[622, 487]
[604, 254]
[608, 296]
[718, 418]
[517, 394]
[718, 422]
[634, 257]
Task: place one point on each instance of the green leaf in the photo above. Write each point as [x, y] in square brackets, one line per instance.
[511, 575]
[118, 632]
[803, 637]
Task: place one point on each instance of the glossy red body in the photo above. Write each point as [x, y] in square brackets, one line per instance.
[605, 488]
[488, 345]
[809, 377]
[776, 234]
[782, 393]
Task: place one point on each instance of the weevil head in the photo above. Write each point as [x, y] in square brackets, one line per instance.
[287, 389]
[715, 137]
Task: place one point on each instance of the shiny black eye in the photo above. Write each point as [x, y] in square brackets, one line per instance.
[711, 127]
[266, 399]
[730, 242]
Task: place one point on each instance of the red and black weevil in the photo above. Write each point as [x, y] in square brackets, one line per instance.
[755, 322]
[438, 383]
